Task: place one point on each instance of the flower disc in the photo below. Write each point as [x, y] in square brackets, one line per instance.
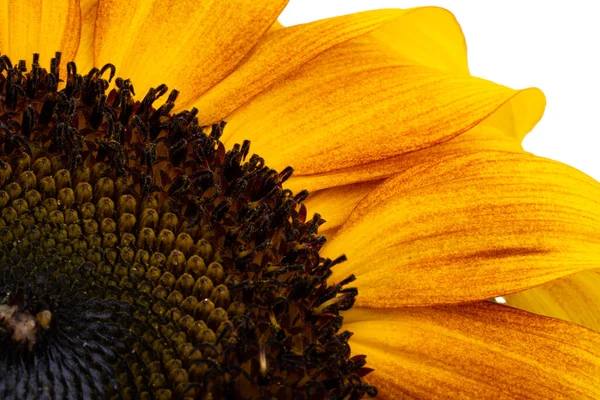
[140, 259]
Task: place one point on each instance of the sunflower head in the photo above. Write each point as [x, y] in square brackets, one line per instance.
[140, 258]
[146, 255]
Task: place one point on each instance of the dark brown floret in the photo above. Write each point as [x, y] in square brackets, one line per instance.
[140, 259]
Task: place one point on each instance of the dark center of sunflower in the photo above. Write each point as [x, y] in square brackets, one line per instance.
[140, 259]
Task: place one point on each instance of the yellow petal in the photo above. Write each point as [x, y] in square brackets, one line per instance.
[475, 351]
[278, 54]
[187, 44]
[353, 105]
[39, 26]
[336, 204]
[85, 53]
[574, 298]
[357, 104]
[469, 227]
[497, 132]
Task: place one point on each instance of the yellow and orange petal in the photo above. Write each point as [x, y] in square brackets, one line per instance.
[277, 55]
[39, 26]
[469, 227]
[336, 203]
[187, 44]
[363, 103]
[478, 350]
[574, 298]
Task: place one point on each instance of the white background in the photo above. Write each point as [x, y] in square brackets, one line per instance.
[554, 45]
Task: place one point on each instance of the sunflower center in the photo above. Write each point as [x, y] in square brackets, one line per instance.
[140, 259]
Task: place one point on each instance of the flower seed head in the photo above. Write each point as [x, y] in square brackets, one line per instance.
[141, 259]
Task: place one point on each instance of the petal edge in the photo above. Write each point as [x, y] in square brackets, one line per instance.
[480, 350]
[461, 228]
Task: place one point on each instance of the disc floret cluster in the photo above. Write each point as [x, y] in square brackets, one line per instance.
[141, 259]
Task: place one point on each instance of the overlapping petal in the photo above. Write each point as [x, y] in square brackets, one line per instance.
[468, 227]
[502, 130]
[475, 351]
[574, 298]
[337, 202]
[353, 112]
[39, 26]
[187, 44]
[277, 55]
[362, 103]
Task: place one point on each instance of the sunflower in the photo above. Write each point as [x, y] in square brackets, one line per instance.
[163, 249]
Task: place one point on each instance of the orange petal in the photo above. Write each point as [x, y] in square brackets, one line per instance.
[497, 132]
[187, 44]
[469, 227]
[361, 103]
[574, 298]
[276, 55]
[336, 204]
[475, 351]
[39, 26]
